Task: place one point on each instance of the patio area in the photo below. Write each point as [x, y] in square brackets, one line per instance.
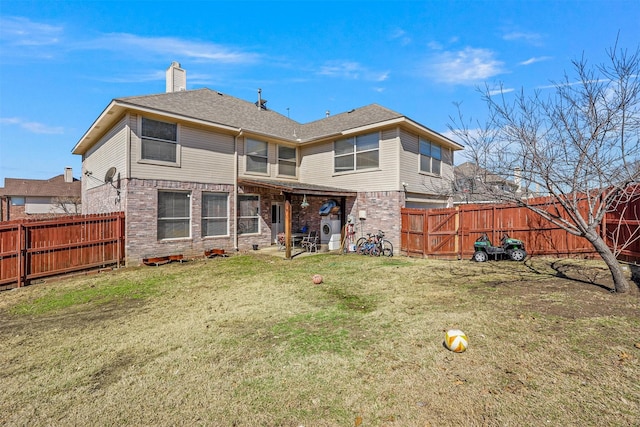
[296, 251]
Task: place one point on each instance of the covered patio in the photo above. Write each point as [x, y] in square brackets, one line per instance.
[306, 200]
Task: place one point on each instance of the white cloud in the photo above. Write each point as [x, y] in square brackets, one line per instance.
[352, 70]
[467, 66]
[401, 35]
[531, 38]
[500, 91]
[20, 31]
[534, 60]
[346, 69]
[380, 77]
[23, 38]
[169, 46]
[33, 127]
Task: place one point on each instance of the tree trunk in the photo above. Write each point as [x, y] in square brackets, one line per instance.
[620, 283]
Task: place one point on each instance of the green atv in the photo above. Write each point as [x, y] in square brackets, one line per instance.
[510, 248]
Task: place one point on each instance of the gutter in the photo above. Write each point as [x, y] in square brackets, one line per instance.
[235, 189]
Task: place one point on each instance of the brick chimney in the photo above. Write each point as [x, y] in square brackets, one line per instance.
[68, 174]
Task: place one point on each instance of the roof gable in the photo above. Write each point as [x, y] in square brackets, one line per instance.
[355, 118]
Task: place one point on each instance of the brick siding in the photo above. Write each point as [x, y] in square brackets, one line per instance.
[139, 200]
[383, 213]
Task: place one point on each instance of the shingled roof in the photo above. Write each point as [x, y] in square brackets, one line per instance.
[355, 118]
[53, 187]
[216, 107]
[211, 107]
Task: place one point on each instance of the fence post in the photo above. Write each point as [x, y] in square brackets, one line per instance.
[22, 255]
[456, 244]
[120, 233]
[459, 236]
[425, 230]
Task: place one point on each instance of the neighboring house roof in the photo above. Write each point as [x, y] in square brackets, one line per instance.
[53, 187]
[208, 107]
[476, 184]
[471, 170]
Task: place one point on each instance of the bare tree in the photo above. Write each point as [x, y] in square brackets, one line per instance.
[579, 146]
[67, 204]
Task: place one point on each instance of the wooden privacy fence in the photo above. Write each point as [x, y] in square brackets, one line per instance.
[34, 249]
[451, 232]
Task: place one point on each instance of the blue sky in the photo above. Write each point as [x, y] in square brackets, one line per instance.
[62, 62]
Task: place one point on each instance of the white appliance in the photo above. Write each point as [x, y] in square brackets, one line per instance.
[330, 231]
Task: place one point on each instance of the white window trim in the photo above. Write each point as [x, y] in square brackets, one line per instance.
[175, 164]
[190, 197]
[294, 162]
[354, 154]
[228, 215]
[246, 160]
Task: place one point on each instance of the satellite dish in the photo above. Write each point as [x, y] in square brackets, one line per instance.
[108, 177]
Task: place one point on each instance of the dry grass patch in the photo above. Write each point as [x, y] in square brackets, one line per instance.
[250, 341]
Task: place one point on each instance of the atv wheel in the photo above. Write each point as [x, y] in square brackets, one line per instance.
[517, 255]
[480, 256]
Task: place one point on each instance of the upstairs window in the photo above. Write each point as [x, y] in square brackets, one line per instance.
[174, 214]
[287, 160]
[159, 141]
[215, 214]
[356, 153]
[430, 157]
[257, 156]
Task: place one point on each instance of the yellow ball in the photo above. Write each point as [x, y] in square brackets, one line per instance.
[456, 340]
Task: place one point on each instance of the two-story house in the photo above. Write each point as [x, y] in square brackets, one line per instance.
[40, 198]
[199, 169]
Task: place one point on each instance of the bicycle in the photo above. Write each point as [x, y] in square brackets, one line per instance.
[375, 245]
[368, 246]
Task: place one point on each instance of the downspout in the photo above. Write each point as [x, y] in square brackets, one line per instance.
[235, 189]
[127, 173]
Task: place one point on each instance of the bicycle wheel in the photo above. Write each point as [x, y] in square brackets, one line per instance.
[374, 250]
[360, 245]
[387, 248]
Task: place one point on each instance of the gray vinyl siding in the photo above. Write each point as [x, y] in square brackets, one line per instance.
[410, 169]
[40, 205]
[109, 152]
[272, 161]
[317, 166]
[204, 156]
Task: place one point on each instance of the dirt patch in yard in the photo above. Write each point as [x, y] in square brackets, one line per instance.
[569, 289]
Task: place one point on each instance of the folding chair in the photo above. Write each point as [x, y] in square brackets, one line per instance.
[310, 242]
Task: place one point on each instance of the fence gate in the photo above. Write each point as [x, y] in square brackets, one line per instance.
[429, 231]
